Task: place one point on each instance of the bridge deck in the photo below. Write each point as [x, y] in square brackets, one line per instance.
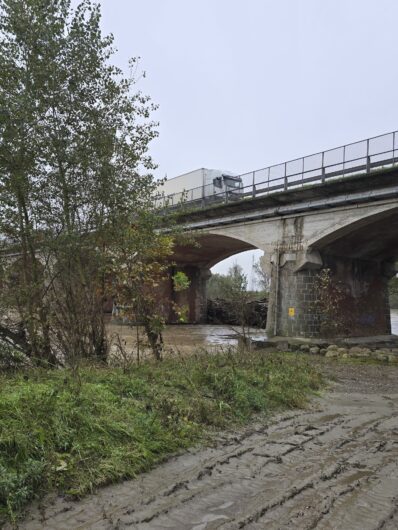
[357, 159]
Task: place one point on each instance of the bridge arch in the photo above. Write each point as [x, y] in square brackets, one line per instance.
[196, 259]
[373, 235]
[360, 252]
[209, 248]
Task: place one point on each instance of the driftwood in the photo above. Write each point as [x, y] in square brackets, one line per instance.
[220, 311]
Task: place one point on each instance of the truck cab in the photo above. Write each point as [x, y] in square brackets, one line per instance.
[229, 184]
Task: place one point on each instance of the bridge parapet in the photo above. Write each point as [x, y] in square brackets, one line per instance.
[357, 158]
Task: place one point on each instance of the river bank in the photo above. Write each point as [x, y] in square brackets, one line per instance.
[73, 432]
[332, 465]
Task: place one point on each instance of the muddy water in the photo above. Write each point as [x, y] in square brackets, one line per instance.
[332, 466]
[188, 338]
[182, 338]
[394, 321]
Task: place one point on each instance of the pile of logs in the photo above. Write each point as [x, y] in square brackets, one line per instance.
[254, 313]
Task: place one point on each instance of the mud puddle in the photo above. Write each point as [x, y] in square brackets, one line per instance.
[331, 466]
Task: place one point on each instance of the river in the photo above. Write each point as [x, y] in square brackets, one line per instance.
[394, 321]
[188, 338]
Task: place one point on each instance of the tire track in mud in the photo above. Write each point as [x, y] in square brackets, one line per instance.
[333, 466]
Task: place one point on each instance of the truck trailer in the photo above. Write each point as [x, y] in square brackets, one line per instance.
[204, 185]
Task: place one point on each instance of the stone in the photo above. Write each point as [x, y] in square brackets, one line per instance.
[283, 345]
[367, 352]
[314, 350]
[323, 351]
[342, 351]
[331, 354]
[380, 355]
[357, 351]
[305, 348]
[332, 347]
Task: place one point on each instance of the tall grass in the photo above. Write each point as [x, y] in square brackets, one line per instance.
[57, 433]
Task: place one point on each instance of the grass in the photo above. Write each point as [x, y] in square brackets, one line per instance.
[74, 435]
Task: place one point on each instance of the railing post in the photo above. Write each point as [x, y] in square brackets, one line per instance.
[343, 161]
[367, 157]
[393, 148]
[254, 185]
[323, 168]
[285, 177]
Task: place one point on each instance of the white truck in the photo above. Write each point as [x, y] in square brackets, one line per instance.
[203, 184]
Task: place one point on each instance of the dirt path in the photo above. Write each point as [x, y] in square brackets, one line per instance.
[332, 466]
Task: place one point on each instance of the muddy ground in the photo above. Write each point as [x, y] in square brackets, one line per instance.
[331, 466]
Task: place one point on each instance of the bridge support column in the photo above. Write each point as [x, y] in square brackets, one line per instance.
[326, 296]
[194, 298]
[291, 306]
[359, 290]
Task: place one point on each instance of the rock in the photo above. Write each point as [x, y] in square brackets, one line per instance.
[367, 352]
[357, 351]
[331, 354]
[354, 351]
[392, 358]
[380, 355]
[283, 346]
[323, 351]
[305, 348]
[332, 347]
[314, 350]
[342, 351]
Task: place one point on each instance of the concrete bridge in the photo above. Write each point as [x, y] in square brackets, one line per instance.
[338, 213]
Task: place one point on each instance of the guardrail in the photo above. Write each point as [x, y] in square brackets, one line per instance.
[365, 156]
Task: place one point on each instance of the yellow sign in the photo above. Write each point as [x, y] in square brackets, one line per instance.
[291, 311]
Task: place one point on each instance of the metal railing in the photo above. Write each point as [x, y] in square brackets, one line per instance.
[365, 156]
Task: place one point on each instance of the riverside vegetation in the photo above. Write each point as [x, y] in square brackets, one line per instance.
[73, 435]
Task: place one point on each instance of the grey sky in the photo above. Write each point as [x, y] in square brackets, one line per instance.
[244, 84]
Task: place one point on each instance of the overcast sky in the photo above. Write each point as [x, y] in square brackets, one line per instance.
[244, 84]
